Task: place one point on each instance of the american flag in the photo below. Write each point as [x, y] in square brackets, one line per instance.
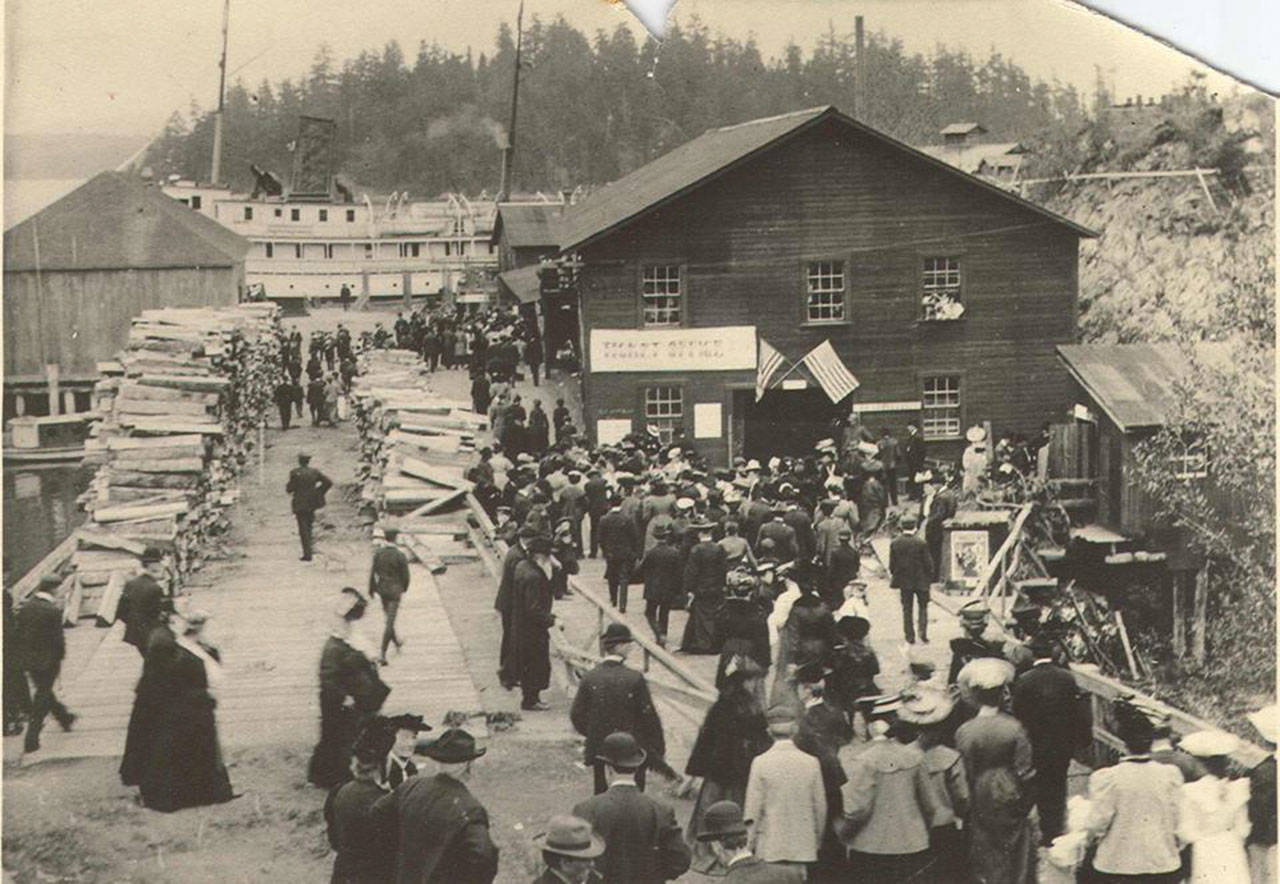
[768, 362]
[830, 372]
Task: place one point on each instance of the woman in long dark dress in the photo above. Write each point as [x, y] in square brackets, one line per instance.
[345, 671]
[733, 733]
[153, 692]
[185, 766]
[704, 579]
[741, 626]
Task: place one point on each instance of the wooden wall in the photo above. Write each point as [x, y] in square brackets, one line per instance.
[745, 238]
[77, 318]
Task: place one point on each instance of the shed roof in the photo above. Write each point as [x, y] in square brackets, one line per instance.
[523, 283]
[716, 151]
[529, 224]
[970, 157]
[1132, 383]
[962, 128]
[116, 221]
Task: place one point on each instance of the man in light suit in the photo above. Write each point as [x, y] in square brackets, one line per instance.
[643, 841]
[725, 830]
[308, 487]
[785, 798]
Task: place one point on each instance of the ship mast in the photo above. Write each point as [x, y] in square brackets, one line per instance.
[509, 152]
[215, 173]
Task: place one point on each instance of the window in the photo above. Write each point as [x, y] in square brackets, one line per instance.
[492, 248]
[462, 248]
[351, 216]
[447, 249]
[1190, 460]
[940, 407]
[410, 250]
[297, 250]
[825, 286]
[664, 410]
[270, 250]
[248, 213]
[279, 212]
[195, 202]
[660, 294]
[368, 250]
[940, 289]
[295, 214]
[324, 214]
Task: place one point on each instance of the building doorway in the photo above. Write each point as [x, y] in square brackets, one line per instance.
[783, 422]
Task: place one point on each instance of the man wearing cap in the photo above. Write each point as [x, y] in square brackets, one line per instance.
[443, 831]
[911, 571]
[531, 621]
[643, 841]
[308, 487]
[724, 829]
[1048, 703]
[569, 851]
[613, 697]
[973, 644]
[620, 546]
[662, 571]
[41, 649]
[785, 798]
[843, 566]
[141, 601]
[389, 580]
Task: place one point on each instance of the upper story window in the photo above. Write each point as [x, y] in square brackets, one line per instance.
[195, 201]
[940, 289]
[248, 213]
[368, 250]
[270, 250]
[825, 291]
[295, 214]
[660, 294]
[351, 215]
[324, 214]
[279, 212]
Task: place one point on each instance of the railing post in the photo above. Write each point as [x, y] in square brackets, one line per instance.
[646, 659]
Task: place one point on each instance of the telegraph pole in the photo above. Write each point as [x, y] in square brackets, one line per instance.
[216, 172]
[509, 152]
[859, 69]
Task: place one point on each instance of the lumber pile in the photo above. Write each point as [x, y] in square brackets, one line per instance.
[178, 413]
[415, 447]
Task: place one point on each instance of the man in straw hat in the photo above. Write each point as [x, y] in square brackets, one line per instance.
[1261, 843]
[997, 758]
[614, 697]
[643, 841]
[569, 851]
[785, 797]
[725, 831]
[442, 830]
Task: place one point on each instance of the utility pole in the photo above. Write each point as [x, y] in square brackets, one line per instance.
[859, 69]
[215, 173]
[509, 152]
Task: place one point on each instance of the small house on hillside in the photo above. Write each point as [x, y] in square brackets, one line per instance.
[964, 146]
[890, 284]
[525, 233]
[78, 271]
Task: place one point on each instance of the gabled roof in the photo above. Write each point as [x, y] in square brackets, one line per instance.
[528, 225]
[962, 128]
[1133, 383]
[523, 283]
[717, 151]
[970, 157]
[115, 221]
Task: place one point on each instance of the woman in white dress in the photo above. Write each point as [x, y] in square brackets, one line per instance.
[1214, 814]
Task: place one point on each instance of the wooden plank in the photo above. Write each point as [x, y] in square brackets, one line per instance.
[100, 539]
[174, 425]
[125, 469]
[1200, 606]
[139, 392]
[131, 443]
[122, 513]
[451, 479]
[49, 564]
[159, 407]
[194, 383]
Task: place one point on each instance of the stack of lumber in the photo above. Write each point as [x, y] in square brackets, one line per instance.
[178, 413]
[415, 447]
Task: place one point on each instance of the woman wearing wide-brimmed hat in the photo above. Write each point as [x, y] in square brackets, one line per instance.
[1214, 813]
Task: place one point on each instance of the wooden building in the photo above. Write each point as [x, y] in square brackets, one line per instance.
[78, 271]
[525, 233]
[942, 294]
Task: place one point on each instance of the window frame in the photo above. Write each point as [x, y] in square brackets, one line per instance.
[248, 213]
[351, 216]
[673, 421]
[295, 214]
[270, 251]
[846, 264]
[324, 214]
[960, 377]
[949, 254]
[682, 277]
[197, 202]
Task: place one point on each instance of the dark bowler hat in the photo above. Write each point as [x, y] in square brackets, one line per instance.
[539, 543]
[616, 634]
[151, 555]
[454, 746]
[408, 722]
[527, 532]
[722, 820]
[49, 583]
[621, 751]
[304, 459]
[570, 836]
[853, 627]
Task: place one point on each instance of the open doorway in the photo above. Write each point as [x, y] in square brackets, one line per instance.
[784, 422]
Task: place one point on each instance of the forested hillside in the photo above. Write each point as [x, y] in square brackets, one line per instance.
[593, 107]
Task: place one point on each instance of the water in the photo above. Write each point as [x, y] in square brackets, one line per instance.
[39, 512]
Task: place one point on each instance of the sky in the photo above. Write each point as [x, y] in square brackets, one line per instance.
[123, 66]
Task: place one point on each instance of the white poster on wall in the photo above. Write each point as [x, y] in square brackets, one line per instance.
[610, 431]
[726, 348]
[707, 420]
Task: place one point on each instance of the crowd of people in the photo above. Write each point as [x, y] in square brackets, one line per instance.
[330, 368]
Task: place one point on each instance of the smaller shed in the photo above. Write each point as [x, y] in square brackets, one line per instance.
[525, 233]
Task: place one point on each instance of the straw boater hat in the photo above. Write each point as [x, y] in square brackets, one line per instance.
[976, 434]
[570, 836]
[985, 673]
[753, 465]
[924, 707]
[1209, 744]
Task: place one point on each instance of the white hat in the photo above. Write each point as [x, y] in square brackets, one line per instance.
[825, 444]
[752, 464]
[1264, 720]
[834, 482]
[985, 673]
[684, 503]
[976, 434]
[868, 448]
[1209, 744]
[732, 496]
[774, 463]
[674, 453]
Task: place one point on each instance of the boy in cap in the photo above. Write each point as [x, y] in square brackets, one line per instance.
[389, 581]
[569, 851]
[973, 644]
[724, 829]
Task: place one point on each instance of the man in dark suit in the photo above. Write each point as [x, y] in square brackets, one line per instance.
[597, 493]
[843, 566]
[942, 507]
[782, 535]
[308, 487]
[612, 697]
[620, 545]
[801, 522]
[724, 829]
[389, 580]
[663, 573]
[643, 841]
[1046, 701]
[508, 669]
[41, 648]
[365, 854]
[569, 851]
[531, 622]
[911, 572]
[913, 458]
[443, 830]
[141, 601]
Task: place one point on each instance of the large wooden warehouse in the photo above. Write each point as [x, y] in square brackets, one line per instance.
[79, 270]
[942, 294]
